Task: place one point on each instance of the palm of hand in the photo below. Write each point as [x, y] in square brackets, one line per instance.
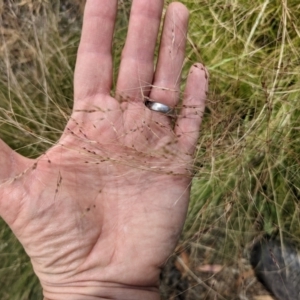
[108, 202]
[107, 210]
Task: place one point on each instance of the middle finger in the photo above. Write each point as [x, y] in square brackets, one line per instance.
[137, 67]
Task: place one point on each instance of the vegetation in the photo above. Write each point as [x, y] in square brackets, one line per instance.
[247, 162]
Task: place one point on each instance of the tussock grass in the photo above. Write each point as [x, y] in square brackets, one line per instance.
[247, 163]
[248, 156]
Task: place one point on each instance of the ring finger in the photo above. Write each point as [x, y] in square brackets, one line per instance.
[166, 84]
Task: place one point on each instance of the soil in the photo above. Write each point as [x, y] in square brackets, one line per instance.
[192, 278]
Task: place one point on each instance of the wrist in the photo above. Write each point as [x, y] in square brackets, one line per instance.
[101, 291]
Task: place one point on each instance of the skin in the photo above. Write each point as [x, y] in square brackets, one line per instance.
[101, 211]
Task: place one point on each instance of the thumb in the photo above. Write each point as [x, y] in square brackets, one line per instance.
[12, 166]
[11, 163]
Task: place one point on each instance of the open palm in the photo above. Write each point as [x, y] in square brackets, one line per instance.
[100, 212]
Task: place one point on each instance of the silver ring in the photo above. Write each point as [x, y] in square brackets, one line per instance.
[159, 107]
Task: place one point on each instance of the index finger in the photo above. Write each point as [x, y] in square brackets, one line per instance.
[93, 73]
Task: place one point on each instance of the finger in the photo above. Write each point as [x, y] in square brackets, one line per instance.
[136, 68]
[189, 120]
[93, 73]
[166, 83]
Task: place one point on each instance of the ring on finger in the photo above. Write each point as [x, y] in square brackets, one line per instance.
[159, 107]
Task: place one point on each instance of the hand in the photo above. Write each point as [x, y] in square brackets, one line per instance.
[100, 212]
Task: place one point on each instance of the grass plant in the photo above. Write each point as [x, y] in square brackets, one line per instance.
[247, 162]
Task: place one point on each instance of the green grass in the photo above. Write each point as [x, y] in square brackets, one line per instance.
[248, 182]
[247, 163]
